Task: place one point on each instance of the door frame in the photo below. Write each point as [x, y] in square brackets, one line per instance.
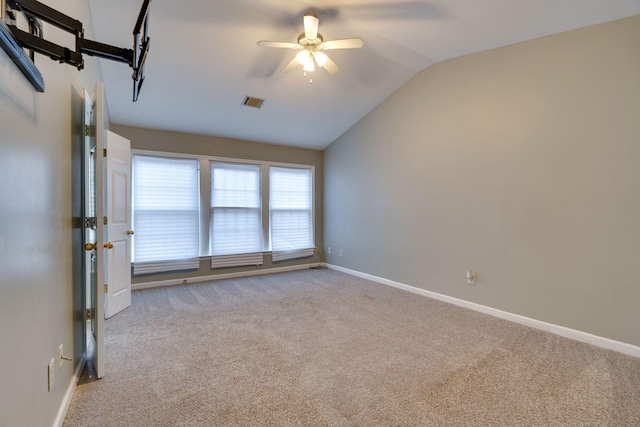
[95, 102]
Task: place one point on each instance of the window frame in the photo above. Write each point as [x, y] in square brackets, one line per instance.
[237, 259]
[300, 252]
[151, 267]
[205, 193]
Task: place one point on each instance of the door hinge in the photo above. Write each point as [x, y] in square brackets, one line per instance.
[104, 152]
[87, 130]
[104, 220]
[106, 288]
[88, 314]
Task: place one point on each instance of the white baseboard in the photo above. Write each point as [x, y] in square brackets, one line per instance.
[64, 407]
[156, 284]
[585, 337]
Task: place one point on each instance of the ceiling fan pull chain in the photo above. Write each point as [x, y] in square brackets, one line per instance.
[304, 73]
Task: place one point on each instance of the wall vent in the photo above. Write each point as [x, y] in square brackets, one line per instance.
[251, 101]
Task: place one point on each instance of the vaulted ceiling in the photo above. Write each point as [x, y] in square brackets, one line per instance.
[204, 59]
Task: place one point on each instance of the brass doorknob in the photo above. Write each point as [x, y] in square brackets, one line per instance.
[90, 246]
[108, 245]
[130, 232]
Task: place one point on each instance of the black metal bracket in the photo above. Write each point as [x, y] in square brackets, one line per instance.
[44, 47]
[11, 37]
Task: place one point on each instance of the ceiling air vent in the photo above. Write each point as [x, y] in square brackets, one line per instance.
[251, 101]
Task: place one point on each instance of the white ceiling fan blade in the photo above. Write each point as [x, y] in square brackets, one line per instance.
[290, 66]
[310, 26]
[284, 45]
[331, 66]
[320, 58]
[343, 44]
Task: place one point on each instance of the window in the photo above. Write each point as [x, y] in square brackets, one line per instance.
[291, 214]
[234, 211]
[236, 215]
[165, 214]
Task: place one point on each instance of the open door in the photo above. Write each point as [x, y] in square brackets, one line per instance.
[118, 224]
[93, 208]
[107, 221]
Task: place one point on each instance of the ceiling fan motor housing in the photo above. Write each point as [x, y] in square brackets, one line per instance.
[311, 45]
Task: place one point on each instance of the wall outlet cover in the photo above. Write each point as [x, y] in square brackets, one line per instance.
[471, 277]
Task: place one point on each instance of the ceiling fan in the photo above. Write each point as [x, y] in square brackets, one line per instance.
[311, 44]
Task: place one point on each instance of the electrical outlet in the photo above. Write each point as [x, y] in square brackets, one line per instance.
[329, 250]
[60, 356]
[471, 277]
[340, 252]
[51, 372]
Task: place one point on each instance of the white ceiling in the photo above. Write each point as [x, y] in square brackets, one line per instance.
[204, 58]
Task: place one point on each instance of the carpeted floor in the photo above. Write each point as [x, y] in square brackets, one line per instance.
[322, 348]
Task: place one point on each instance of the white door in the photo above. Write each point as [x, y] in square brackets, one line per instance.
[118, 224]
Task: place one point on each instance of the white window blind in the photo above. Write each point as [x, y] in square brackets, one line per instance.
[165, 214]
[236, 215]
[291, 215]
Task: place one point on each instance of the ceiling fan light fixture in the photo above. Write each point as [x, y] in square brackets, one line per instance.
[303, 56]
[309, 65]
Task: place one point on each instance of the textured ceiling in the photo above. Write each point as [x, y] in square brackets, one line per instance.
[204, 58]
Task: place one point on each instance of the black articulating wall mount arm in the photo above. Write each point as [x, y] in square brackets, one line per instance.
[33, 40]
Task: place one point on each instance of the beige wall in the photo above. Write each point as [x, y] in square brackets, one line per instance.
[520, 163]
[40, 236]
[174, 142]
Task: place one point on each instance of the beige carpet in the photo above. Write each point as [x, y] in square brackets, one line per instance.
[321, 348]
